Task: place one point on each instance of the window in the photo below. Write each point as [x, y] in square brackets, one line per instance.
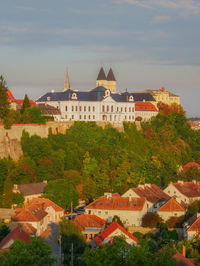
[132, 109]
[103, 108]
[66, 108]
[84, 116]
[93, 108]
[112, 108]
[129, 109]
[121, 109]
[99, 212]
[72, 108]
[79, 108]
[76, 108]
[117, 109]
[88, 108]
[66, 116]
[107, 108]
[125, 117]
[89, 117]
[93, 116]
[125, 110]
[129, 117]
[79, 116]
[132, 117]
[72, 116]
[84, 108]
[106, 213]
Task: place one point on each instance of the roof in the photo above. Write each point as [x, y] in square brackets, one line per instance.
[141, 96]
[189, 189]
[96, 94]
[171, 206]
[101, 75]
[17, 233]
[10, 95]
[145, 106]
[47, 109]
[117, 203]
[45, 203]
[181, 260]
[195, 226]
[109, 230]
[89, 221]
[192, 164]
[162, 90]
[6, 213]
[20, 102]
[26, 227]
[31, 189]
[110, 76]
[151, 192]
[32, 213]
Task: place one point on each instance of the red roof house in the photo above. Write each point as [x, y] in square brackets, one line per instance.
[171, 208]
[191, 164]
[17, 103]
[113, 230]
[17, 233]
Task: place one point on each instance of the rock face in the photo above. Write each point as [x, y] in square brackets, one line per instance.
[10, 147]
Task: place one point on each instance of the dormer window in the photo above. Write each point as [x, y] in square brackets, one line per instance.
[107, 93]
[74, 96]
[48, 98]
[131, 98]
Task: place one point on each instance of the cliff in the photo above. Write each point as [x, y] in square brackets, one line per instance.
[10, 147]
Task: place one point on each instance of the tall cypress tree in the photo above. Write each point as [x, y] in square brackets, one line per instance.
[4, 101]
[25, 104]
[7, 197]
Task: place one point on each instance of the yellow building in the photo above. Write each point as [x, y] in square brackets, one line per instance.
[108, 82]
[164, 96]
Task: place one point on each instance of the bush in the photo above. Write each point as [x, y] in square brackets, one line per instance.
[175, 222]
[151, 220]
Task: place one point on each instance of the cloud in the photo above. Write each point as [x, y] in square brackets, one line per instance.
[160, 19]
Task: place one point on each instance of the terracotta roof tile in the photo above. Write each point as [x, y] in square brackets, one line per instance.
[45, 203]
[195, 226]
[171, 206]
[181, 260]
[89, 221]
[32, 213]
[189, 189]
[109, 230]
[145, 106]
[192, 164]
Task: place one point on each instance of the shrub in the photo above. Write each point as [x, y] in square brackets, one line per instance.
[151, 220]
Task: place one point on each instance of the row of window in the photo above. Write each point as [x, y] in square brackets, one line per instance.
[104, 109]
[108, 109]
[104, 117]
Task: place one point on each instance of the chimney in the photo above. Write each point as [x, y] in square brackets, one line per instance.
[111, 240]
[184, 251]
[45, 181]
[180, 182]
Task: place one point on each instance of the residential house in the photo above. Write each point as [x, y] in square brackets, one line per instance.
[16, 104]
[112, 231]
[55, 212]
[192, 164]
[17, 233]
[50, 111]
[6, 214]
[30, 191]
[33, 215]
[145, 110]
[192, 227]
[154, 195]
[171, 208]
[90, 225]
[186, 192]
[129, 209]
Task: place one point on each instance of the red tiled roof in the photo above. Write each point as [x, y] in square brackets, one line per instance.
[191, 164]
[109, 230]
[195, 225]
[117, 203]
[89, 221]
[10, 96]
[20, 102]
[151, 192]
[181, 260]
[171, 206]
[145, 106]
[32, 213]
[189, 189]
[17, 233]
[45, 203]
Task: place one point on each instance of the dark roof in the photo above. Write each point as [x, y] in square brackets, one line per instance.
[101, 75]
[31, 189]
[47, 109]
[141, 96]
[111, 76]
[96, 94]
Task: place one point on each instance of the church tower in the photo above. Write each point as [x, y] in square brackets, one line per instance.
[111, 81]
[67, 83]
[101, 79]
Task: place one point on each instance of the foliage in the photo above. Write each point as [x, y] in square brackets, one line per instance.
[4, 230]
[4, 101]
[36, 253]
[26, 104]
[18, 199]
[175, 222]
[151, 219]
[118, 220]
[193, 208]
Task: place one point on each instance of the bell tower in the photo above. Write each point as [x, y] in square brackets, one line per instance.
[111, 81]
[101, 79]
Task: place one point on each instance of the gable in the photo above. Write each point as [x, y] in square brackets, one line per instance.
[108, 99]
[130, 193]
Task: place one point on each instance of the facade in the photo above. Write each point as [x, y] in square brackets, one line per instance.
[145, 110]
[30, 191]
[50, 111]
[90, 225]
[129, 209]
[154, 195]
[165, 96]
[171, 209]
[98, 104]
[112, 231]
[184, 192]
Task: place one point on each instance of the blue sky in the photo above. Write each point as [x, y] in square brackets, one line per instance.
[148, 43]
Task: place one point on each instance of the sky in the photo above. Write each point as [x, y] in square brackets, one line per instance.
[148, 43]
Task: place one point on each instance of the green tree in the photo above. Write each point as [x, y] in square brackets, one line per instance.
[36, 253]
[7, 197]
[4, 230]
[26, 104]
[4, 101]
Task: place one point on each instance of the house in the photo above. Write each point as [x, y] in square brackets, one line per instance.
[145, 110]
[171, 208]
[16, 104]
[6, 214]
[114, 230]
[130, 210]
[186, 192]
[102, 103]
[55, 212]
[33, 215]
[192, 226]
[17, 233]
[30, 191]
[50, 111]
[181, 260]
[90, 225]
[154, 195]
[191, 164]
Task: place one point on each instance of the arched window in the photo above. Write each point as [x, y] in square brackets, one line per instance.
[103, 108]
[74, 96]
[112, 108]
[107, 108]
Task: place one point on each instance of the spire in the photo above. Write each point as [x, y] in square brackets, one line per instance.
[67, 83]
[101, 75]
[111, 76]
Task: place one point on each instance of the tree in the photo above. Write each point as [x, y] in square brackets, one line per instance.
[7, 197]
[151, 220]
[26, 104]
[4, 101]
[4, 230]
[36, 253]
